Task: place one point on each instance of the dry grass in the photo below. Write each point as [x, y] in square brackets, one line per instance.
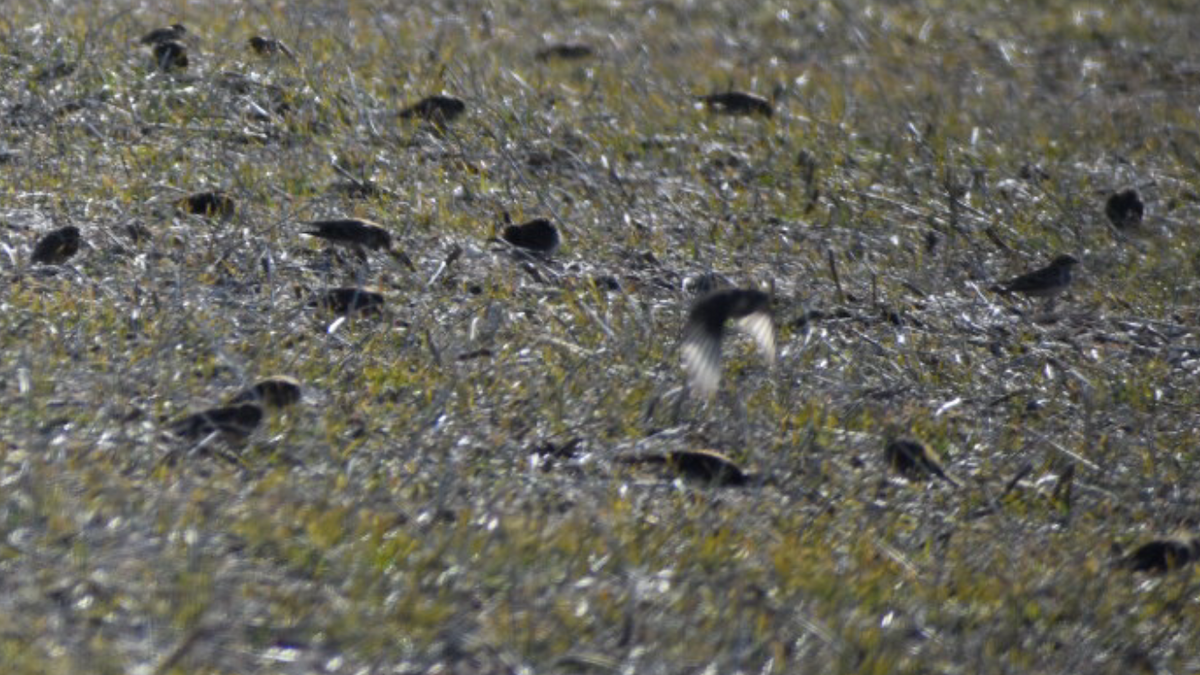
[418, 512]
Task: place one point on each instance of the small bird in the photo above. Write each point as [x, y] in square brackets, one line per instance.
[538, 235]
[1125, 209]
[1164, 555]
[171, 33]
[436, 110]
[1046, 282]
[56, 246]
[279, 391]
[737, 103]
[565, 51]
[265, 46]
[749, 309]
[208, 204]
[356, 188]
[347, 301]
[234, 423]
[170, 55]
[707, 466]
[914, 461]
[351, 232]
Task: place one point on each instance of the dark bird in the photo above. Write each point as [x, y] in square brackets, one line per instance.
[914, 461]
[749, 309]
[351, 232]
[1125, 209]
[171, 33]
[56, 246]
[1046, 282]
[265, 46]
[737, 103]
[347, 301]
[1164, 555]
[565, 51]
[208, 204]
[437, 110]
[279, 391]
[170, 55]
[538, 235]
[234, 423]
[707, 466]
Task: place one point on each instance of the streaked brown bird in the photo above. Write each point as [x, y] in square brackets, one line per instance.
[347, 301]
[279, 391]
[707, 466]
[1164, 555]
[265, 46]
[1125, 209]
[56, 246]
[350, 232]
[234, 423]
[565, 51]
[170, 55]
[538, 235]
[437, 110]
[748, 309]
[171, 33]
[737, 103]
[914, 461]
[208, 204]
[1046, 282]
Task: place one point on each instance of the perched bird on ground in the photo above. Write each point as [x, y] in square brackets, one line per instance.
[749, 309]
[56, 246]
[356, 188]
[208, 204]
[234, 423]
[170, 55]
[737, 103]
[347, 301]
[279, 391]
[1125, 209]
[437, 110]
[265, 46]
[171, 33]
[565, 51]
[350, 232]
[914, 461]
[358, 235]
[1046, 282]
[706, 466]
[1164, 555]
[538, 235]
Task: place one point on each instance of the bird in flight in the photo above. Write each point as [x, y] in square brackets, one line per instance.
[748, 309]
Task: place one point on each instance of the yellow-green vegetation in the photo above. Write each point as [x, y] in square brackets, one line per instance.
[445, 498]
